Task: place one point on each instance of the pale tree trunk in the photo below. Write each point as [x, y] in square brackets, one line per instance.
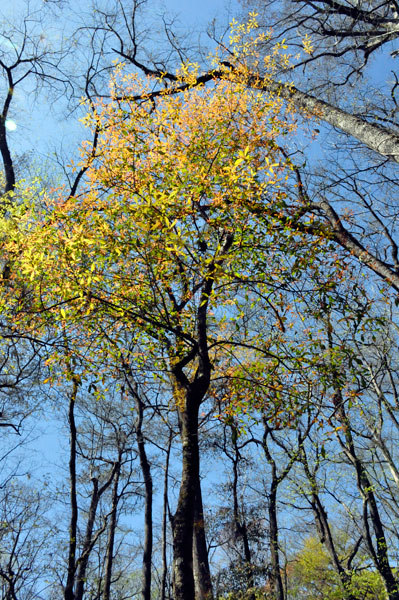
[383, 141]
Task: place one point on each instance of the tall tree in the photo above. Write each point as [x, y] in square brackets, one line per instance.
[165, 244]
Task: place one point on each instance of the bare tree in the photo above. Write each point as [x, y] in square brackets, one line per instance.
[25, 539]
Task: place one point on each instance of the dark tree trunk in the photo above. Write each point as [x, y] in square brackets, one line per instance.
[183, 520]
[189, 395]
[90, 538]
[71, 569]
[276, 579]
[379, 553]
[9, 577]
[146, 471]
[4, 148]
[148, 486]
[87, 544]
[202, 574]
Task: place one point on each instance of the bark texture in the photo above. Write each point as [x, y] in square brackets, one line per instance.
[183, 520]
[275, 578]
[382, 140]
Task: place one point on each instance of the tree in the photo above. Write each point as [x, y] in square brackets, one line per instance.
[25, 539]
[311, 576]
[169, 244]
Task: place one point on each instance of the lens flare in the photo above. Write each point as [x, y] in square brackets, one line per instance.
[10, 125]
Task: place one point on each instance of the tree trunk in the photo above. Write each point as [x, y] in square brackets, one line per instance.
[189, 396]
[87, 544]
[146, 471]
[90, 539]
[380, 553]
[71, 569]
[276, 580]
[379, 550]
[4, 148]
[380, 139]
[148, 486]
[183, 520]
[202, 574]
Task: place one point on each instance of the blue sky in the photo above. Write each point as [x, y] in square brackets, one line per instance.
[201, 12]
[42, 127]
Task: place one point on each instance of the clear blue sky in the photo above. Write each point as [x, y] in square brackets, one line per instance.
[195, 11]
